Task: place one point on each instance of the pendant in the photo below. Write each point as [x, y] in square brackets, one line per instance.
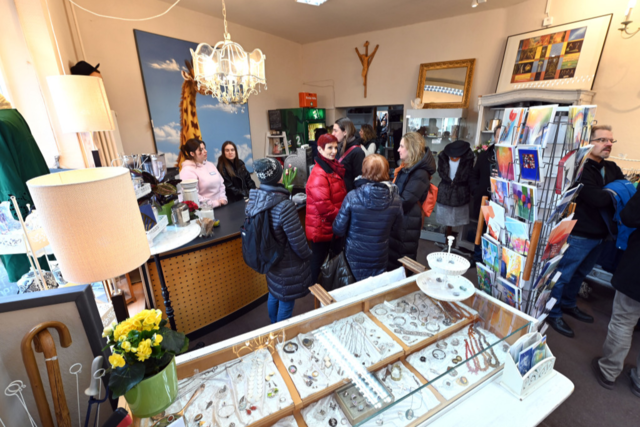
[333, 422]
[272, 392]
[242, 404]
[463, 381]
[409, 414]
[293, 369]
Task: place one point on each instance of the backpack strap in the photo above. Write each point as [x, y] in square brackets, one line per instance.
[347, 152]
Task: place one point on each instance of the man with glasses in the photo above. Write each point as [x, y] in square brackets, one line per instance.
[585, 241]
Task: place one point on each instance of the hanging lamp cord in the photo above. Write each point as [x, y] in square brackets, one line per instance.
[227, 36]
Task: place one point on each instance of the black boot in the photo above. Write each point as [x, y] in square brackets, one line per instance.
[578, 314]
[560, 326]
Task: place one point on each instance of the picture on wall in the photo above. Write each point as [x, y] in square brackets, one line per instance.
[536, 128]
[504, 157]
[529, 163]
[525, 201]
[512, 123]
[567, 54]
[162, 62]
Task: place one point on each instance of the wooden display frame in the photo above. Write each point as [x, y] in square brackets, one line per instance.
[512, 320]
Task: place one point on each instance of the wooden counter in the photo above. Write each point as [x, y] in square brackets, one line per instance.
[208, 280]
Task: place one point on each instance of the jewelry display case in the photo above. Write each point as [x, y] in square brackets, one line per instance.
[350, 364]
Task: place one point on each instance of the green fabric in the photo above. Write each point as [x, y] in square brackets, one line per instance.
[20, 160]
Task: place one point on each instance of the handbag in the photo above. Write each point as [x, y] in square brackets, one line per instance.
[430, 202]
[335, 272]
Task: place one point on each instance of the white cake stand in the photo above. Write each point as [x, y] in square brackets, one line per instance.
[444, 281]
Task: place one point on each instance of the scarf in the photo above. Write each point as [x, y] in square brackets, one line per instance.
[333, 164]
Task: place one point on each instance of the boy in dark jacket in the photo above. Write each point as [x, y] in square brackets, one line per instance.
[290, 278]
[585, 241]
[626, 308]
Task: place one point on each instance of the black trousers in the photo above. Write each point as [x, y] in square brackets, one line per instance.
[319, 251]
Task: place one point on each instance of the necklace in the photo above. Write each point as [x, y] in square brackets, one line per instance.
[469, 353]
[476, 349]
[494, 362]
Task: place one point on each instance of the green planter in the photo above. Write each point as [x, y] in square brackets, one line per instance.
[166, 210]
[154, 394]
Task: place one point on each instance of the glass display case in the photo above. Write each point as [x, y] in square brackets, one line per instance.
[391, 356]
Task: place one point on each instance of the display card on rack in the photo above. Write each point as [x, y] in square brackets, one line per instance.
[576, 125]
[525, 201]
[511, 266]
[541, 303]
[536, 130]
[517, 236]
[547, 270]
[566, 172]
[491, 253]
[512, 124]
[589, 117]
[508, 293]
[529, 156]
[486, 278]
[504, 158]
[562, 204]
[439, 358]
[496, 223]
[312, 364]
[500, 191]
[558, 237]
[581, 158]
[405, 316]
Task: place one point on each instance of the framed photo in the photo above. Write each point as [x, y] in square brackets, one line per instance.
[561, 57]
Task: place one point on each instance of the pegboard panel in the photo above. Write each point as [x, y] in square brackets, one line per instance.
[207, 285]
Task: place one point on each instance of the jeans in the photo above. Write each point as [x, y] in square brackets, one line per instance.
[279, 310]
[626, 312]
[575, 265]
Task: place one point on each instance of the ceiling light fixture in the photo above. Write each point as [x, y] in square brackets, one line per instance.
[312, 2]
[474, 3]
[226, 71]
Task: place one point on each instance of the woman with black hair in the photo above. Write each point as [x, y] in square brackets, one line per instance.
[237, 179]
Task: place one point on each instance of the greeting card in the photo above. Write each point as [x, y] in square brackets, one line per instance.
[500, 191]
[529, 163]
[496, 222]
[566, 172]
[575, 130]
[508, 293]
[517, 235]
[512, 124]
[486, 277]
[491, 253]
[558, 237]
[512, 266]
[564, 201]
[589, 117]
[504, 158]
[536, 130]
[581, 158]
[525, 201]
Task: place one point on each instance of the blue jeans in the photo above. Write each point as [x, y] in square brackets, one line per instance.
[575, 265]
[279, 310]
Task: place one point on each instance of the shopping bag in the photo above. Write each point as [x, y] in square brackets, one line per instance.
[335, 272]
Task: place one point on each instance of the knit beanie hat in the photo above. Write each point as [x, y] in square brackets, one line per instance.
[269, 171]
[326, 139]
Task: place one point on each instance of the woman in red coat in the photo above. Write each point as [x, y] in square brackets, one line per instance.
[325, 192]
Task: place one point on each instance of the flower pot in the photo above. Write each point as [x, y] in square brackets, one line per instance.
[154, 394]
[166, 210]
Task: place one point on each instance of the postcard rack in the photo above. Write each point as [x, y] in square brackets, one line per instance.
[549, 199]
[486, 313]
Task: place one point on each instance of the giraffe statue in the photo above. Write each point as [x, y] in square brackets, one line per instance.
[189, 126]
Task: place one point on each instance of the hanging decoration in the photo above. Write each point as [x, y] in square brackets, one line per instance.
[226, 71]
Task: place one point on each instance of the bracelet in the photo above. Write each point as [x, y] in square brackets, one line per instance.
[396, 369]
[438, 354]
[223, 407]
[290, 347]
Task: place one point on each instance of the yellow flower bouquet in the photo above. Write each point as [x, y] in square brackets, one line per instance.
[141, 347]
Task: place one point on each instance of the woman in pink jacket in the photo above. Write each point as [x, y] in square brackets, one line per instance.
[210, 183]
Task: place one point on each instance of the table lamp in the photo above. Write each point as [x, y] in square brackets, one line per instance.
[93, 222]
[82, 106]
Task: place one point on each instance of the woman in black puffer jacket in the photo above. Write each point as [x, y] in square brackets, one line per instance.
[455, 164]
[290, 278]
[368, 216]
[350, 154]
[237, 180]
[413, 178]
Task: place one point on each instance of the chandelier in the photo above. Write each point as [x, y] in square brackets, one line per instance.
[226, 71]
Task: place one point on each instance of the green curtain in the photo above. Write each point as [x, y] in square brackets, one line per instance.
[20, 160]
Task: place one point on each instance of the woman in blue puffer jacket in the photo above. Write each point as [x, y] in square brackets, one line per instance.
[367, 217]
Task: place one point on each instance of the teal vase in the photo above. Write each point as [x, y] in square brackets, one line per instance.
[154, 394]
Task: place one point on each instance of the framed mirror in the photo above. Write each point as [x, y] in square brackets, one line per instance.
[445, 84]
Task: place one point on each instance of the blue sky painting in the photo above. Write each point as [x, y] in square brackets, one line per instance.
[161, 60]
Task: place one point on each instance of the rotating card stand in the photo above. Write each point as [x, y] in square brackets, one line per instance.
[444, 281]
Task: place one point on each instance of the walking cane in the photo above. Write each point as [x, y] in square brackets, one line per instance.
[43, 342]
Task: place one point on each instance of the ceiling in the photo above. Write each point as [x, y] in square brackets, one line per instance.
[303, 23]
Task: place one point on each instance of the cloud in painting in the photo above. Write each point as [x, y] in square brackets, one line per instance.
[216, 154]
[227, 108]
[248, 137]
[169, 133]
[168, 65]
[171, 159]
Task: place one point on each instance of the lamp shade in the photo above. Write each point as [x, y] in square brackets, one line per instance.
[81, 103]
[93, 222]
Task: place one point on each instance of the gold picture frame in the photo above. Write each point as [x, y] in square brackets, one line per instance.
[469, 64]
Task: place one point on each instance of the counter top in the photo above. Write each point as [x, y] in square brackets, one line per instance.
[231, 218]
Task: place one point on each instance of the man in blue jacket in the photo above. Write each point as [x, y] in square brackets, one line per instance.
[585, 241]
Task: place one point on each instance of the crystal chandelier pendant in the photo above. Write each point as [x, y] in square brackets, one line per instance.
[226, 71]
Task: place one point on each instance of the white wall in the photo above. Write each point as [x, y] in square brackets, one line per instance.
[111, 43]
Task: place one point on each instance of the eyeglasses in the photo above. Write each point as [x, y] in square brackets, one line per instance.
[604, 140]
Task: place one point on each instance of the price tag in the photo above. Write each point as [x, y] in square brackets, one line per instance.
[185, 216]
